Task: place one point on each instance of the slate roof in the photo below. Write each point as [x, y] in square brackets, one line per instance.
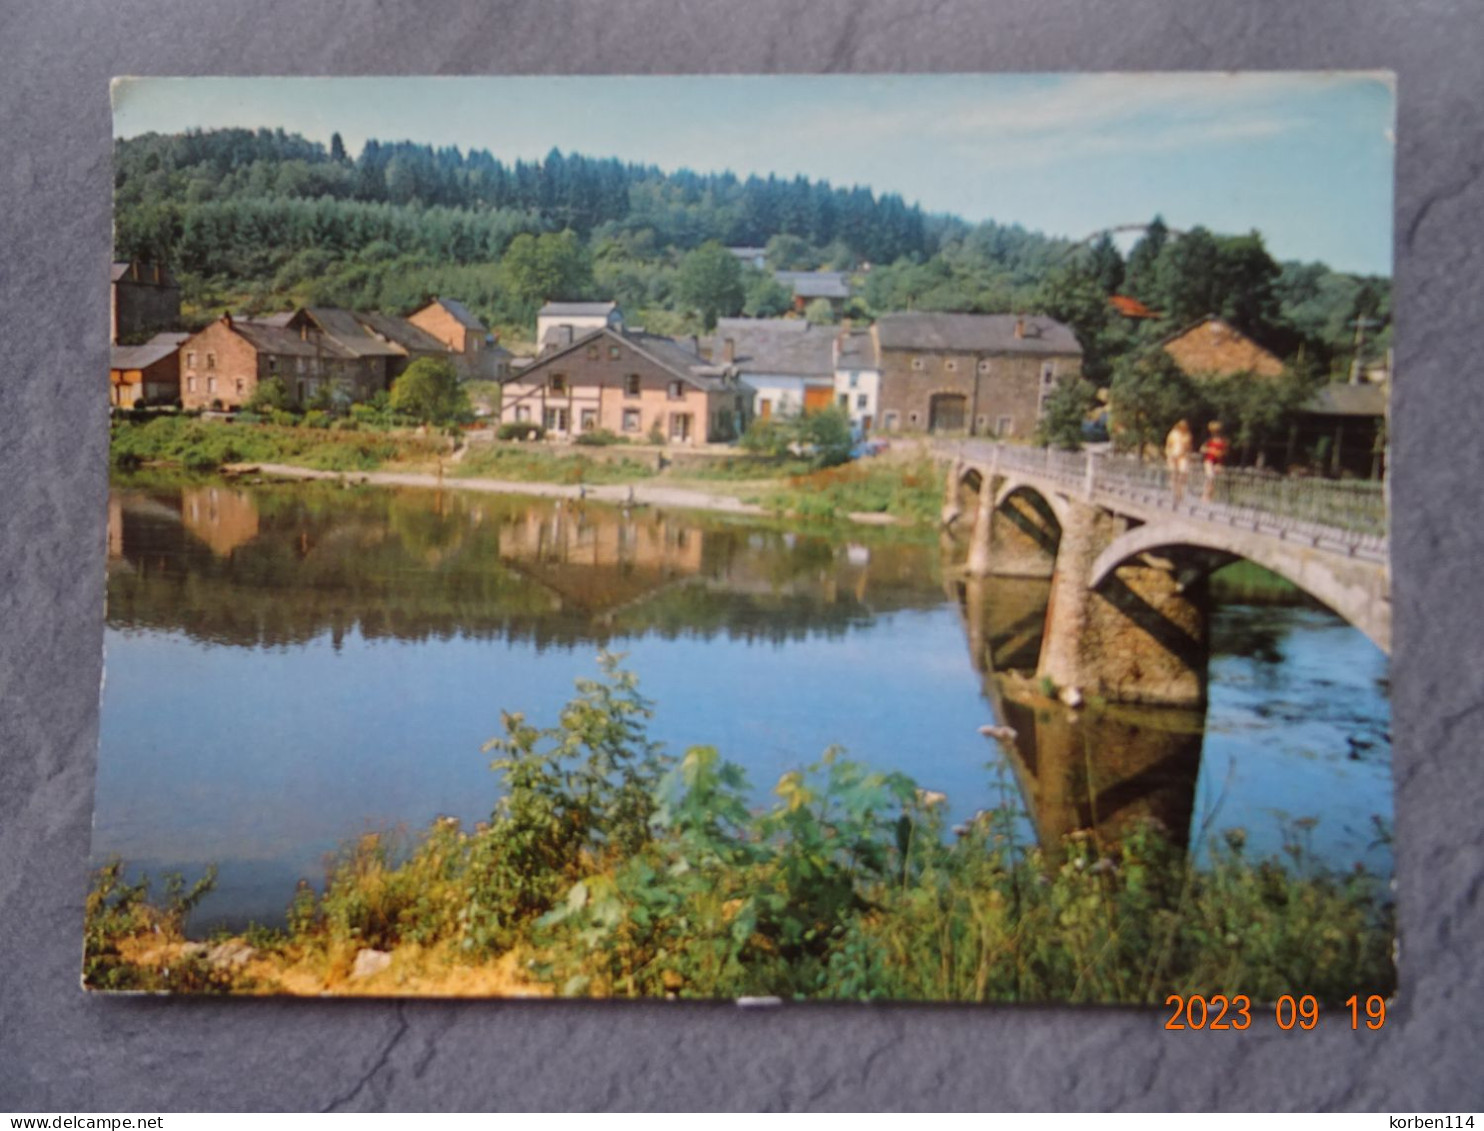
[402, 332]
[975, 333]
[857, 351]
[280, 340]
[815, 284]
[782, 346]
[140, 273]
[347, 329]
[460, 313]
[1347, 400]
[667, 353]
[143, 356]
[576, 309]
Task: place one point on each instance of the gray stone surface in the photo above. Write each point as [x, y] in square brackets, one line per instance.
[61, 1050]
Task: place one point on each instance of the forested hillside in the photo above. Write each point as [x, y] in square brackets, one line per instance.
[261, 220]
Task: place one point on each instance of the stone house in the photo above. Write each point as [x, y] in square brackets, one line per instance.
[472, 348]
[222, 365]
[143, 298]
[970, 374]
[1213, 348]
[150, 371]
[788, 364]
[629, 383]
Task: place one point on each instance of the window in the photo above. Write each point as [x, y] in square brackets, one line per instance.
[844, 400]
[211, 384]
[559, 383]
[273, 365]
[1048, 373]
[631, 385]
[592, 353]
[556, 420]
[631, 420]
[523, 413]
[676, 390]
[190, 384]
[299, 365]
[1004, 426]
[855, 380]
[680, 426]
[613, 352]
[589, 419]
[951, 365]
[862, 401]
[191, 358]
[917, 364]
[211, 361]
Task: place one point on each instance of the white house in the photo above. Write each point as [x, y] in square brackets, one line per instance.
[857, 377]
[789, 364]
[577, 318]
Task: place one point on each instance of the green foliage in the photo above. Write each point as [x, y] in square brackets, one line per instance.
[1149, 394]
[819, 312]
[763, 295]
[710, 283]
[271, 395]
[1065, 413]
[599, 438]
[913, 492]
[520, 430]
[823, 438]
[429, 391]
[116, 911]
[527, 464]
[205, 445]
[549, 266]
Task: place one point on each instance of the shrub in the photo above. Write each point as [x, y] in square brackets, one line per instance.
[316, 418]
[599, 438]
[521, 430]
[270, 396]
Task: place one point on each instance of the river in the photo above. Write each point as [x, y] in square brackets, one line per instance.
[288, 666]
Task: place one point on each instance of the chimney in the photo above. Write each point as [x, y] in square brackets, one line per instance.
[564, 335]
[227, 319]
[1020, 327]
[729, 350]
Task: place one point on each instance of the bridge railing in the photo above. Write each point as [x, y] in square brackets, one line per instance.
[1345, 514]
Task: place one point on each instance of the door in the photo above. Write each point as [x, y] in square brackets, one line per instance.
[817, 397]
[947, 412]
[680, 427]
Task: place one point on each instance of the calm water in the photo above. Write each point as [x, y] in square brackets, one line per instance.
[290, 666]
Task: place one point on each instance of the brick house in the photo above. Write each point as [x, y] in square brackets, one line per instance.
[1212, 348]
[475, 353]
[629, 383]
[223, 364]
[974, 374]
[149, 371]
[143, 298]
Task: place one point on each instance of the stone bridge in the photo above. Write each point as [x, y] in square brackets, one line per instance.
[1129, 607]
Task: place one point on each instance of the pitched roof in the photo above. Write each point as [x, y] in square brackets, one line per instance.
[815, 284]
[788, 346]
[856, 350]
[281, 340]
[667, 353]
[278, 318]
[351, 333]
[1347, 400]
[576, 309]
[1213, 346]
[460, 313]
[975, 333]
[401, 331]
[143, 356]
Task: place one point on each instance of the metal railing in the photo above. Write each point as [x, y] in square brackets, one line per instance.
[1347, 516]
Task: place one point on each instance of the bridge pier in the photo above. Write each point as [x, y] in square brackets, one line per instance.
[1140, 637]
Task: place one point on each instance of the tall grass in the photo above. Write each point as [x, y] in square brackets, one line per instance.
[205, 445]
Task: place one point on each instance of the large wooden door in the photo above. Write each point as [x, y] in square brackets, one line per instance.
[817, 397]
[947, 412]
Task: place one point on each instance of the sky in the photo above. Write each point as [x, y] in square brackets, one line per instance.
[1303, 158]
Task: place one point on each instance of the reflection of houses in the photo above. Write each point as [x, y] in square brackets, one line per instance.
[220, 517]
[144, 299]
[150, 371]
[981, 374]
[809, 286]
[474, 351]
[857, 377]
[629, 383]
[787, 363]
[1212, 348]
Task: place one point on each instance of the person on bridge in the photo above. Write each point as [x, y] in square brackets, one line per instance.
[1213, 455]
[1179, 445]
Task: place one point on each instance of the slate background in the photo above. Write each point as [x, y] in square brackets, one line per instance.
[63, 1051]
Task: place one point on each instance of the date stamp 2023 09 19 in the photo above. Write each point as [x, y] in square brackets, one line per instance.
[1221, 1012]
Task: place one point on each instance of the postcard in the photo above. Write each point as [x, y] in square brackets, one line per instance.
[788, 538]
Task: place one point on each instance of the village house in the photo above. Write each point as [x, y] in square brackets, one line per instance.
[1342, 428]
[149, 372]
[980, 374]
[806, 286]
[629, 383]
[576, 317]
[788, 365]
[1212, 348]
[143, 298]
[857, 377]
[472, 348]
[222, 365]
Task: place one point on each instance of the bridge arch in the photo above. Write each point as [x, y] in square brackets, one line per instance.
[1354, 590]
[1051, 500]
